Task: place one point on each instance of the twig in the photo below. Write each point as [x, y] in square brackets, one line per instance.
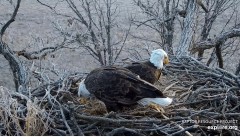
[58, 132]
[5, 26]
[64, 119]
[119, 122]
[185, 130]
[168, 87]
[123, 129]
[94, 124]
[73, 119]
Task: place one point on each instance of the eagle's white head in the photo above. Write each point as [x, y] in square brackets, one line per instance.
[82, 90]
[159, 58]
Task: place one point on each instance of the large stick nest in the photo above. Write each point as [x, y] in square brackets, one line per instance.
[206, 102]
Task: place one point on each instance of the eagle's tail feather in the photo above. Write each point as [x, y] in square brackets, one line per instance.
[160, 101]
[82, 90]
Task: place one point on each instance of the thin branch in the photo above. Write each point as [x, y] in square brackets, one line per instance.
[45, 5]
[202, 45]
[40, 53]
[5, 26]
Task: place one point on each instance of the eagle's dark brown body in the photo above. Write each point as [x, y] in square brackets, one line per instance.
[146, 70]
[118, 87]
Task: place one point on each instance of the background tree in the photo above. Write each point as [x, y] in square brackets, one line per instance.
[216, 9]
[23, 74]
[198, 22]
[97, 28]
[160, 17]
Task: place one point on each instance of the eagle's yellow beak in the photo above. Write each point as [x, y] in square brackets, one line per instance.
[166, 60]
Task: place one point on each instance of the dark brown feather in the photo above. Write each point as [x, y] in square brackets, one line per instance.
[146, 70]
[118, 87]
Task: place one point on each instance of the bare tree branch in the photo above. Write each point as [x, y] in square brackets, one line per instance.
[123, 44]
[19, 71]
[217, 7]
[160, 18]
[12, 19]
[40, 53]
[45, 4]
[219, 40]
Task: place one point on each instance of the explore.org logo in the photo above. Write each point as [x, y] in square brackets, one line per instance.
[220, 127]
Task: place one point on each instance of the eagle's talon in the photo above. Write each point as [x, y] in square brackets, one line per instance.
[156, 107]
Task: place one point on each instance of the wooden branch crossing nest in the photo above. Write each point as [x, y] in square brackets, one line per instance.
[206, 102]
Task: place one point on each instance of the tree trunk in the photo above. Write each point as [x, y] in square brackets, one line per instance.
[108, 32]
[188, 29]
[169, 25]
[219, 56]
[238, 69]
[19, 73]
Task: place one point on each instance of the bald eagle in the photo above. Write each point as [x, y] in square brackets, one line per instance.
[118, 87]
[150, 70]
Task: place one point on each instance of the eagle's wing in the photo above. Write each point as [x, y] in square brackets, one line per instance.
[119, 85]
[145, 72]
